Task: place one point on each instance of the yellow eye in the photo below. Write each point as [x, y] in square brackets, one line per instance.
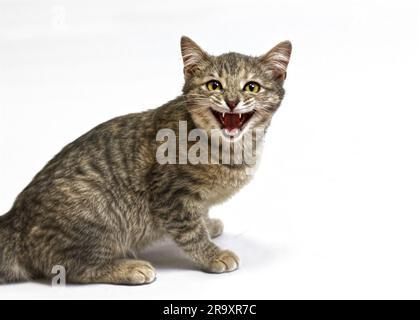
[214, 85]
[252, 87]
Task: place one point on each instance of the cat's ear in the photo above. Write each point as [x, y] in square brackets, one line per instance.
[276, 60]
[194, 57]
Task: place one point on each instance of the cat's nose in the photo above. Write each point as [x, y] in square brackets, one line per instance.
[232, 103]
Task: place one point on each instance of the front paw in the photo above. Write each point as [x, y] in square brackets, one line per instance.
[224, 261]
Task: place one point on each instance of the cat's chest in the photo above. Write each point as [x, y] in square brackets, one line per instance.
[223, 182]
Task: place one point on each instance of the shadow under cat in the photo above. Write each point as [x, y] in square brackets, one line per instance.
[166, 255]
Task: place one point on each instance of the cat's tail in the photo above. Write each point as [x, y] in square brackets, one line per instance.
[10, 270]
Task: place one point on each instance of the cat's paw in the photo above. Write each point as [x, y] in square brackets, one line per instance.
[224, 261]
[215, 227]
[136, 272]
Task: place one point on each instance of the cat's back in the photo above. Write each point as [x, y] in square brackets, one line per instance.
[113, 156]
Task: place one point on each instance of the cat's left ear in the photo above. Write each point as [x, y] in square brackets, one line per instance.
[194, 57]
[276, 60]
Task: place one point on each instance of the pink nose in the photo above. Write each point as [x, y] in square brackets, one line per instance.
[232, 103]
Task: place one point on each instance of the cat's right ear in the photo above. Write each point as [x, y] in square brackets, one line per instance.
[276, 60]
[194, 57]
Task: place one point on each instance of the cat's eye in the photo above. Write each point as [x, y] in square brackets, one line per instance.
[252, 87]
[214, 85]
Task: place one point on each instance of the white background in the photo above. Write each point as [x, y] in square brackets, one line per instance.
[334, 210]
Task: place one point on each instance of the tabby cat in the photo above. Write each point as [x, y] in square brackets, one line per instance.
[105, 196]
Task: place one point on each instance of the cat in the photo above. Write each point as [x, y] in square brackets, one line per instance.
[105, 196]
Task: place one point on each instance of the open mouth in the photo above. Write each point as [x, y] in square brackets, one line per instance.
[232, 123]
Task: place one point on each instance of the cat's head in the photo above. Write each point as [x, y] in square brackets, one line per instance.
[233, 93]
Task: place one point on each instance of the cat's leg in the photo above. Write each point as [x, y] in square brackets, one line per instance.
[92, 256]
[190, 232]
[214, 226]
[120, 271]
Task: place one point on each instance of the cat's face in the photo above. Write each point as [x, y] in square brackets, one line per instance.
[233, 93]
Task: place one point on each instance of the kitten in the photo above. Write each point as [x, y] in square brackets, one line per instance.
[105, 196]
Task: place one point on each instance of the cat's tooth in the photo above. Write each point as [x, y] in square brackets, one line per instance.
[223, 114]
[240, 115]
